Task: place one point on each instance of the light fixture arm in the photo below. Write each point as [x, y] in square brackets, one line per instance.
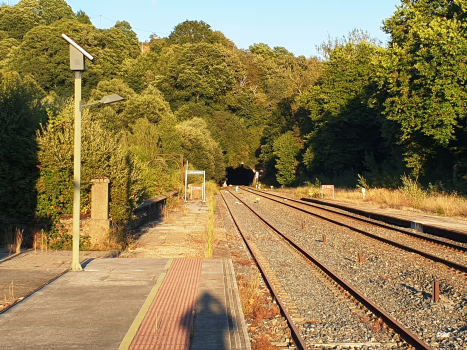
[91, 104]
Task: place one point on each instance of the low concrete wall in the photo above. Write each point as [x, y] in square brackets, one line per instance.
[150, 209]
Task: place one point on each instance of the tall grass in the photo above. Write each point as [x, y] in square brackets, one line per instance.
[13, 240]
[211, 190]
[410, 196]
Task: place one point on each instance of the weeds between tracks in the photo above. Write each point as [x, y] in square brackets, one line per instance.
[211, 190]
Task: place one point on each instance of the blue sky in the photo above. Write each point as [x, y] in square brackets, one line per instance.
[297, 25]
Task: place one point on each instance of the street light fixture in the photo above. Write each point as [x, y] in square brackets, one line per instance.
[77, 64]
[106, 100]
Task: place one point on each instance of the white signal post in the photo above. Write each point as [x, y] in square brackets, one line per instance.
[195, 172]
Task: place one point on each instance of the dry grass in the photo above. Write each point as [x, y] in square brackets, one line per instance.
[376, 327]
[211, 190]
[10, 298]
[254, 303]
[262, 342]
[441, 204]
[244, 262]
[210, 227]
[39, 241]
[13, 240]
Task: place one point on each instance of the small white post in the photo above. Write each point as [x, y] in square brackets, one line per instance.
[186, 180]
[204, 186]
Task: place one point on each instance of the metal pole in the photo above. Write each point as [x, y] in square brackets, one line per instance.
[181, 171]
[186, 182]
[75, 265]
[204, 186]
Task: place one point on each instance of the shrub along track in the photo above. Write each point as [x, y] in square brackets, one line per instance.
[322, 311]
[399, 281]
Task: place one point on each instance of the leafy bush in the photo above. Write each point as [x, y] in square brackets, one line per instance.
[412, 189]
[286, 149]
[103, 154]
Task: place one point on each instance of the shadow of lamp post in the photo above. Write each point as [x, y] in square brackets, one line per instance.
[77, 64]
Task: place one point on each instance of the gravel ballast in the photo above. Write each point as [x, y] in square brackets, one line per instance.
[400, 282]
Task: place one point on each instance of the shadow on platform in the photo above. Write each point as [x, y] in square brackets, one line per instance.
[212, 325]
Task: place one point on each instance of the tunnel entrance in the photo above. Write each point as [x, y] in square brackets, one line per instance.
[239, 176]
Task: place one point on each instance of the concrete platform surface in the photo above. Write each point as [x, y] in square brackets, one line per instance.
[219, 320]
[82, 310]
[96, 308]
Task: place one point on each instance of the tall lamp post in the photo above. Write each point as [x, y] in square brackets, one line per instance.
[77, 64]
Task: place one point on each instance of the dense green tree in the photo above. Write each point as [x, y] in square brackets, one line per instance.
[112, 116]
[345, 125]
[283, 74]
[21, 113]
[235, 139]
[147, 141]
[199, 72]
[150, 104]
[156, 43]
[355, 36]
[200, 149]
[195, 32]
[82, 17]
[54, 10]
[424, 75]
[6, 46]
[286, 150]
[45, 55]
[17, 20]
[126, 29]
[140, 72]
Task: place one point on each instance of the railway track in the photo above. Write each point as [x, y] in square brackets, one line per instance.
[435, 239]
[448, 253]
[338, 290]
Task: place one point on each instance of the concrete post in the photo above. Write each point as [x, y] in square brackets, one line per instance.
[75, 265]
[100, 224]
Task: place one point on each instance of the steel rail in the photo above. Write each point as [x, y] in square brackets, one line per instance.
[404, 332]
[435, 258]
[413, 234]
[299, 342]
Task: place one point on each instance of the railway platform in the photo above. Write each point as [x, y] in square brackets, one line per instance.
[133, 303]
[440, 226]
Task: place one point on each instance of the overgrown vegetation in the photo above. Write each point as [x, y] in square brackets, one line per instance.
[410, 196]
[211, 190]
[361, 114]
